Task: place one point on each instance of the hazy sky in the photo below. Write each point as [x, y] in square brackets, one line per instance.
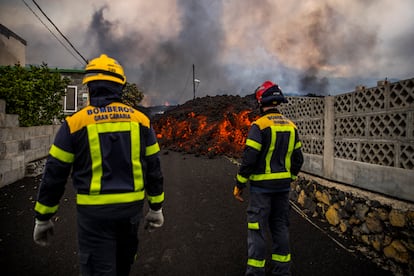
[321, 46]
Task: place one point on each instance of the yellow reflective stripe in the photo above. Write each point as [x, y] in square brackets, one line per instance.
[44, 209]
[113, 127]
[136, 157]
[241, 179]
[256, 263]
[153, 149]
[96, 157]
[61, 155]
[281, 258]
[269, 153]
[103, 199]
[298, 145]
[156, 199]
[291, 147]
[270, 176]
[253, 144]
[294, 177]
[93, 135]
[253, 226]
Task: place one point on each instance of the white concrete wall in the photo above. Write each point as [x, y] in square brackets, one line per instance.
[21, 145]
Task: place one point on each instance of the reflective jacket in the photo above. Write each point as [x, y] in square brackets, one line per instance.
[272, 155]
[113, 155]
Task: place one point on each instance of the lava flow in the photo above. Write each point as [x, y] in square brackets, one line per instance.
[207, 126]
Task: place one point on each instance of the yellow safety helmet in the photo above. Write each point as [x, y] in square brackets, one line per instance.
[104, 68]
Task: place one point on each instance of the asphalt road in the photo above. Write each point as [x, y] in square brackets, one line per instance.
[204, 231]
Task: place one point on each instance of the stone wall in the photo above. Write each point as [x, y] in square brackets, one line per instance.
[380, 227]
[21, 145]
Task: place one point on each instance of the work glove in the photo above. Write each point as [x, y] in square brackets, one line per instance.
[153, 219]
[42, 230]
[237, 192]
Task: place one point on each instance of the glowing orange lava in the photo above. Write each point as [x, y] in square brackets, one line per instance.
[197, 133]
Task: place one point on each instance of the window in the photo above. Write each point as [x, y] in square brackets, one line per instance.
[70, 102]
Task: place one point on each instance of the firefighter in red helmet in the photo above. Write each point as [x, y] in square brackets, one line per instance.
[272, 158]
[111, 152]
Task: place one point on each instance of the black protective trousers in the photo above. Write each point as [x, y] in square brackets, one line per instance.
[108, 244]
[268, 212]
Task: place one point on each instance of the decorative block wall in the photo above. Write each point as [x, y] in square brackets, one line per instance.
[370, 133]
[376, 125]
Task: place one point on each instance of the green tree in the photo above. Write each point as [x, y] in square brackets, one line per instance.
[35, 93]
[131, 95]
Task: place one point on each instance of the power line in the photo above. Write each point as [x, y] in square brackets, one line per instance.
[186, 84]
[51, 32]
[67, 40]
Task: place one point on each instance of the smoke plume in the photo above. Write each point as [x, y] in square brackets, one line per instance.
[306, 47]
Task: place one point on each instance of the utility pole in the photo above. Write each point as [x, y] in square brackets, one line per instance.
[193, 82]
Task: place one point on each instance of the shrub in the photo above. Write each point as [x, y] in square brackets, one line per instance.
[34, 93]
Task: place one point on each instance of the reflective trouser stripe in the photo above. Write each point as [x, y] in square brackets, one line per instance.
[281, 258]
[256, 263]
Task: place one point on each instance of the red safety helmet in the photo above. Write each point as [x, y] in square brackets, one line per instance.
[269, 94]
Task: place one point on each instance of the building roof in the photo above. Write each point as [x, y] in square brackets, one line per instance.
[80, 71]
[8, 33]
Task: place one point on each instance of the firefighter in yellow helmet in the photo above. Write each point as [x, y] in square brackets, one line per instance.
[271, 159]
[113, 156]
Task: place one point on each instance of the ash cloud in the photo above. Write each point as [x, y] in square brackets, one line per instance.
[304, 46]
[335, 44]
[165, 70]
[312, 84]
